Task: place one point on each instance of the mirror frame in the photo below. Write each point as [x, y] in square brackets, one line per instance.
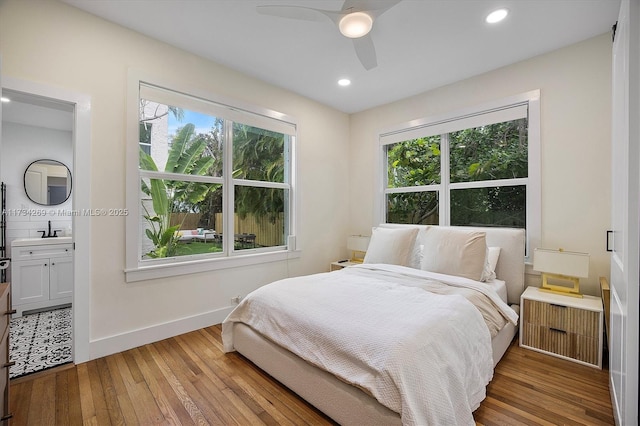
[51, 162]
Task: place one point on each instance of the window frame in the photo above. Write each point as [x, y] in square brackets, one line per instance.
[532, 182]
[137, 269]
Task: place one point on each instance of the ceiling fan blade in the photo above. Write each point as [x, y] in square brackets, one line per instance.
[366, 51]
[374, 8]
[293, 12]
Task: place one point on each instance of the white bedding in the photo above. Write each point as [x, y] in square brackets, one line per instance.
[425, 356]
[500, 287]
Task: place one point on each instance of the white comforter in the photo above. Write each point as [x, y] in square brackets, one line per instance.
[423, 355]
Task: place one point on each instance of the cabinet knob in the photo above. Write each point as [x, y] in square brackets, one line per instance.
[53, 264]
[45, 264]
[30, 252]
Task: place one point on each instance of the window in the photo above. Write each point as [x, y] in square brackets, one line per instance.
[478, 167]
[213, 183]
[145, 136]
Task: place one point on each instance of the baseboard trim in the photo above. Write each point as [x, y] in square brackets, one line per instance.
[133, 339]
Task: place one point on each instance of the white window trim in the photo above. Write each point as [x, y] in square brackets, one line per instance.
[135, 270]
[533, 180]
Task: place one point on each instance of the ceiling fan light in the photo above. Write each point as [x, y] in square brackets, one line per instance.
[355, 25]
[496, 16]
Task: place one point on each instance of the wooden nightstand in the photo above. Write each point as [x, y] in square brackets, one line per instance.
[339, 265]
[562, 326]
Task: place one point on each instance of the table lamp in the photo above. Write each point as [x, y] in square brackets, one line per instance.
[358, 245]
[561, 266]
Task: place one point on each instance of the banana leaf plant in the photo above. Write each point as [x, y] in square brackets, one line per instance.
[169, 196]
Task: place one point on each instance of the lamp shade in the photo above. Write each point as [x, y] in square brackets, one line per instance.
[358, 243]
[571, 264]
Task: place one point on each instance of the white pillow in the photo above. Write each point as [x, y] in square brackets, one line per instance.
[391, 246]
[489, 273]
[454, 251]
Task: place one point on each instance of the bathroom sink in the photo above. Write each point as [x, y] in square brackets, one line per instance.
[41, 241]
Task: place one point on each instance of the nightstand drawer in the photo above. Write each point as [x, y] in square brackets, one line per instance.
[559, 317]
[559, 342]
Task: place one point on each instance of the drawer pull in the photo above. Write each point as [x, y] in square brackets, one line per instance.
[557, 330]
[9, 364]
[11, 312]
[6, 417]
[557, 306]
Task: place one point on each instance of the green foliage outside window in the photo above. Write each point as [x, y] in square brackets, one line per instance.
[186, 156]
[258, 154]
[488, 153]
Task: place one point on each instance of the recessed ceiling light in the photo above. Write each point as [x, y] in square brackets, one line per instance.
[3, 99]
[344, 82]
[496, 16]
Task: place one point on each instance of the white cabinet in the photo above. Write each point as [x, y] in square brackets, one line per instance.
[41, 273]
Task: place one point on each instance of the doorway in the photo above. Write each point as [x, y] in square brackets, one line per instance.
[80, 226]
[37, 140]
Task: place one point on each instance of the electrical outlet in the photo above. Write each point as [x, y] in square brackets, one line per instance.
[236, 299]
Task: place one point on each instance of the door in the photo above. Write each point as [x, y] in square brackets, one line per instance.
[625, 257]
[61, 278]
[35, 184]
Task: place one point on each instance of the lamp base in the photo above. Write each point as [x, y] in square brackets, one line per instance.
[357, 256]
[560, 289]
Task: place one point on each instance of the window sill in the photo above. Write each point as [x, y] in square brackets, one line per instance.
[194, 266]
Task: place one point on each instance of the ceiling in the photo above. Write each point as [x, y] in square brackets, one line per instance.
[32, 110]
[420, 44]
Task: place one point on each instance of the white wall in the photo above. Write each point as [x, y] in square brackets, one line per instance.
[52, 43]
[21, 145]
[575, 86]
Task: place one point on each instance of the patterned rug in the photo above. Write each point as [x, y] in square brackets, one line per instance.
[39, 341]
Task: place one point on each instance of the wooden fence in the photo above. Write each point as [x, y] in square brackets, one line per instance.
[187, 220]
[267, 234]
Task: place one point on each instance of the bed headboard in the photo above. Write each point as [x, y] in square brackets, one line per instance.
[510, 267]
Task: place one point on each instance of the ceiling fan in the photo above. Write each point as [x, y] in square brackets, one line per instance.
[354, 20]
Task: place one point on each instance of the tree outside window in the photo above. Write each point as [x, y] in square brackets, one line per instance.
[480, 173]
[184, 178]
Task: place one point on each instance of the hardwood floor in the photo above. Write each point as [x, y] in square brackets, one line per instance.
[189, 380]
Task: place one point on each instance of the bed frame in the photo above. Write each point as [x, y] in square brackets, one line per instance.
[347, 404]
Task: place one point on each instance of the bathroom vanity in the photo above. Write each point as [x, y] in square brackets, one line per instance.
[41, 273]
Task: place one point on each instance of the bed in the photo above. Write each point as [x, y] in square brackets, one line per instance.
[456, 355]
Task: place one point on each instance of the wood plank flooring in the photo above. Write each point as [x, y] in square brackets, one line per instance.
[189, 380]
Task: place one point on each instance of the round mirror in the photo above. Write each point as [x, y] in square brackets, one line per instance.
[47, 182]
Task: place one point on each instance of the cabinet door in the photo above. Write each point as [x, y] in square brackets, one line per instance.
[61, 278]
[30, 281]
